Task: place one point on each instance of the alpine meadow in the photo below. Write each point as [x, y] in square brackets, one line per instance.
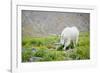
[41, 36]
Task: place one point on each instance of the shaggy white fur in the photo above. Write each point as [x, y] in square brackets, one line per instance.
[69, 35]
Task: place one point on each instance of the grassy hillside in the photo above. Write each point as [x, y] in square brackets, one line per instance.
[35, 49]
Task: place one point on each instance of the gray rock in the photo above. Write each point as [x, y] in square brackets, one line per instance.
[33, 59]
[23, 49]
[34, 50]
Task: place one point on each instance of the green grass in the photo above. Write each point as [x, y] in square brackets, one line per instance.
[48, 51]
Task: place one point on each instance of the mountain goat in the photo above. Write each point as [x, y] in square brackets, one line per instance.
[69, 37]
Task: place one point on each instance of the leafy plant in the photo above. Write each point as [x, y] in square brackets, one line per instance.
[46, 48]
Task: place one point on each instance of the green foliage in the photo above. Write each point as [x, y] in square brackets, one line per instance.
[38, 41]
[60, 47]
[26, 55]
[48, 51]
[49, 55]
[54, 56]
[83, 48]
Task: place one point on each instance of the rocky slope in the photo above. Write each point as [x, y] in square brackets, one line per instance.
[43, 23]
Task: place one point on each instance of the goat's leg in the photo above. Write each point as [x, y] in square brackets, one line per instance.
[66, 44]
[75, 42]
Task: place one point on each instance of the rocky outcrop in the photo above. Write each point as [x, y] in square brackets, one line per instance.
[43, 23]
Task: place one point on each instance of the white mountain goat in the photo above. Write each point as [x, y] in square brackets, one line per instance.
[69, 37]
